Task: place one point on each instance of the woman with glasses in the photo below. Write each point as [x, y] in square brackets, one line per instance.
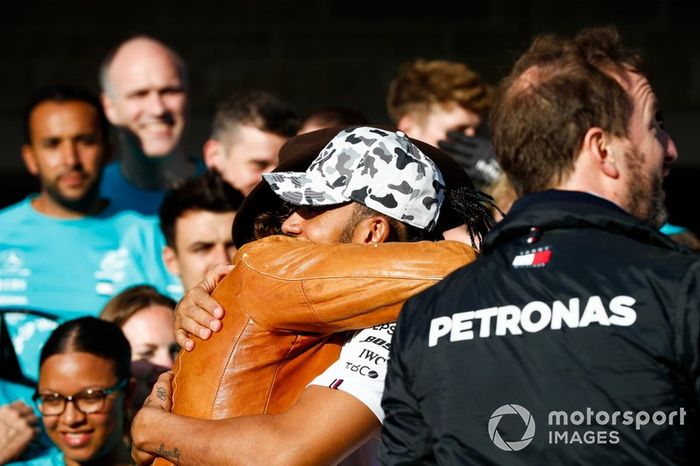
[83, 391]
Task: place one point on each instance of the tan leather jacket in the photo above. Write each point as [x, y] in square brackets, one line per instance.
[285, 303]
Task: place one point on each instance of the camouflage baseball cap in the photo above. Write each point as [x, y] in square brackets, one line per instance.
[374, 167]
[299, 152]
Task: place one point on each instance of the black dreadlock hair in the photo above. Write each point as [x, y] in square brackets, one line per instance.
[474, 207]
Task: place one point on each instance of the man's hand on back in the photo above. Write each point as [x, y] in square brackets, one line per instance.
[198, 313]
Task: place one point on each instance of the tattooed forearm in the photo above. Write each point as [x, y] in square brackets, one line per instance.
[173, 454]
[160, 393]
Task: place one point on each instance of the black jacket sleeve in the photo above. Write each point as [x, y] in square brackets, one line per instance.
[406, 438]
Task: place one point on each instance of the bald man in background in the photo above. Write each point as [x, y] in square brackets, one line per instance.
[144, 94]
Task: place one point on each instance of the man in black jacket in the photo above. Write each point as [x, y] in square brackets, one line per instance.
[575, 338]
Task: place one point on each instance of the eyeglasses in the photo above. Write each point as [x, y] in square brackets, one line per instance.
[88, 401]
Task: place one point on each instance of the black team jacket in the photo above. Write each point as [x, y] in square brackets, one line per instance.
[573, 339]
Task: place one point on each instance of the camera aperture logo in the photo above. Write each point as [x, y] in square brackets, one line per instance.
[527, 418]
[581, 427]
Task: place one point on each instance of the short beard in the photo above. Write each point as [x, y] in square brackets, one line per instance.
[85, 204]
[645, 196]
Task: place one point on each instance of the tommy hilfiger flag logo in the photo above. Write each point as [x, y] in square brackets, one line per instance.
[533, 258]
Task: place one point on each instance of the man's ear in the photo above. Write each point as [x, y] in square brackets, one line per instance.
[109, 108]
[372, 230]
[30, 159]
[213, 152]
[603, 150]
[170, 260]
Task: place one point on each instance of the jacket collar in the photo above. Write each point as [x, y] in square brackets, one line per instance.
[554, 209]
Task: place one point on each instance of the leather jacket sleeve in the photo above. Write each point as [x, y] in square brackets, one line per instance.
[289, 284]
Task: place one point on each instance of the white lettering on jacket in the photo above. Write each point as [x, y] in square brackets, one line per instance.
[532, 318]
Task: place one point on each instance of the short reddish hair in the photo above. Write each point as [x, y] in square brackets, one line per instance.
[556, 92]
[422, 83]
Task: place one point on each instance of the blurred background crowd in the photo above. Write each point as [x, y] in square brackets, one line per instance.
[198, 100]
[317, 54]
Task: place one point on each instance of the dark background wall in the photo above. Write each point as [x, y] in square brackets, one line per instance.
[321, 52]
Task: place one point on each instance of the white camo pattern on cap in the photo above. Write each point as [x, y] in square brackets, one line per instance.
[380, 169]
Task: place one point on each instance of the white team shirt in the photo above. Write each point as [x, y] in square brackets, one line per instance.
[361, 368]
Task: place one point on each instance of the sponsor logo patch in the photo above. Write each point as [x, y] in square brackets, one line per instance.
[388, 327]
[372, 356]
[533, 317]
[377, 341]
[533, 258]
[362, 370]
[12, 263]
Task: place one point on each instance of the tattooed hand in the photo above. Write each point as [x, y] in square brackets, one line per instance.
[161, 394]
[158, 402]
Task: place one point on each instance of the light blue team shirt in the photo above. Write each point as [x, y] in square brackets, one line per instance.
[71, 267]
[125, 196]
[10, 392]
[54, 457]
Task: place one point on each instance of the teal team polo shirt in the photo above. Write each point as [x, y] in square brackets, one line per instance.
[71, 267]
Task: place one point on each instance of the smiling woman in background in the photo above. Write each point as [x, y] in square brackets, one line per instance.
[84, 387]
[146, 318]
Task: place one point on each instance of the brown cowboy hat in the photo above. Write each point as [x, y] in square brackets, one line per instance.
[298, 153]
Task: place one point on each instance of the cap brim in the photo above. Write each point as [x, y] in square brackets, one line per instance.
[300, 151]
[303, 188]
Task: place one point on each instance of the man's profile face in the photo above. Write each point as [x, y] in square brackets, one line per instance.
[650, 153]
[322, 225]
[440, 119]
[67, 149]
[146, 96]
[248, 153]
[202, 241]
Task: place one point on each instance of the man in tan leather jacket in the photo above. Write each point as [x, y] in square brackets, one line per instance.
[292, 297]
